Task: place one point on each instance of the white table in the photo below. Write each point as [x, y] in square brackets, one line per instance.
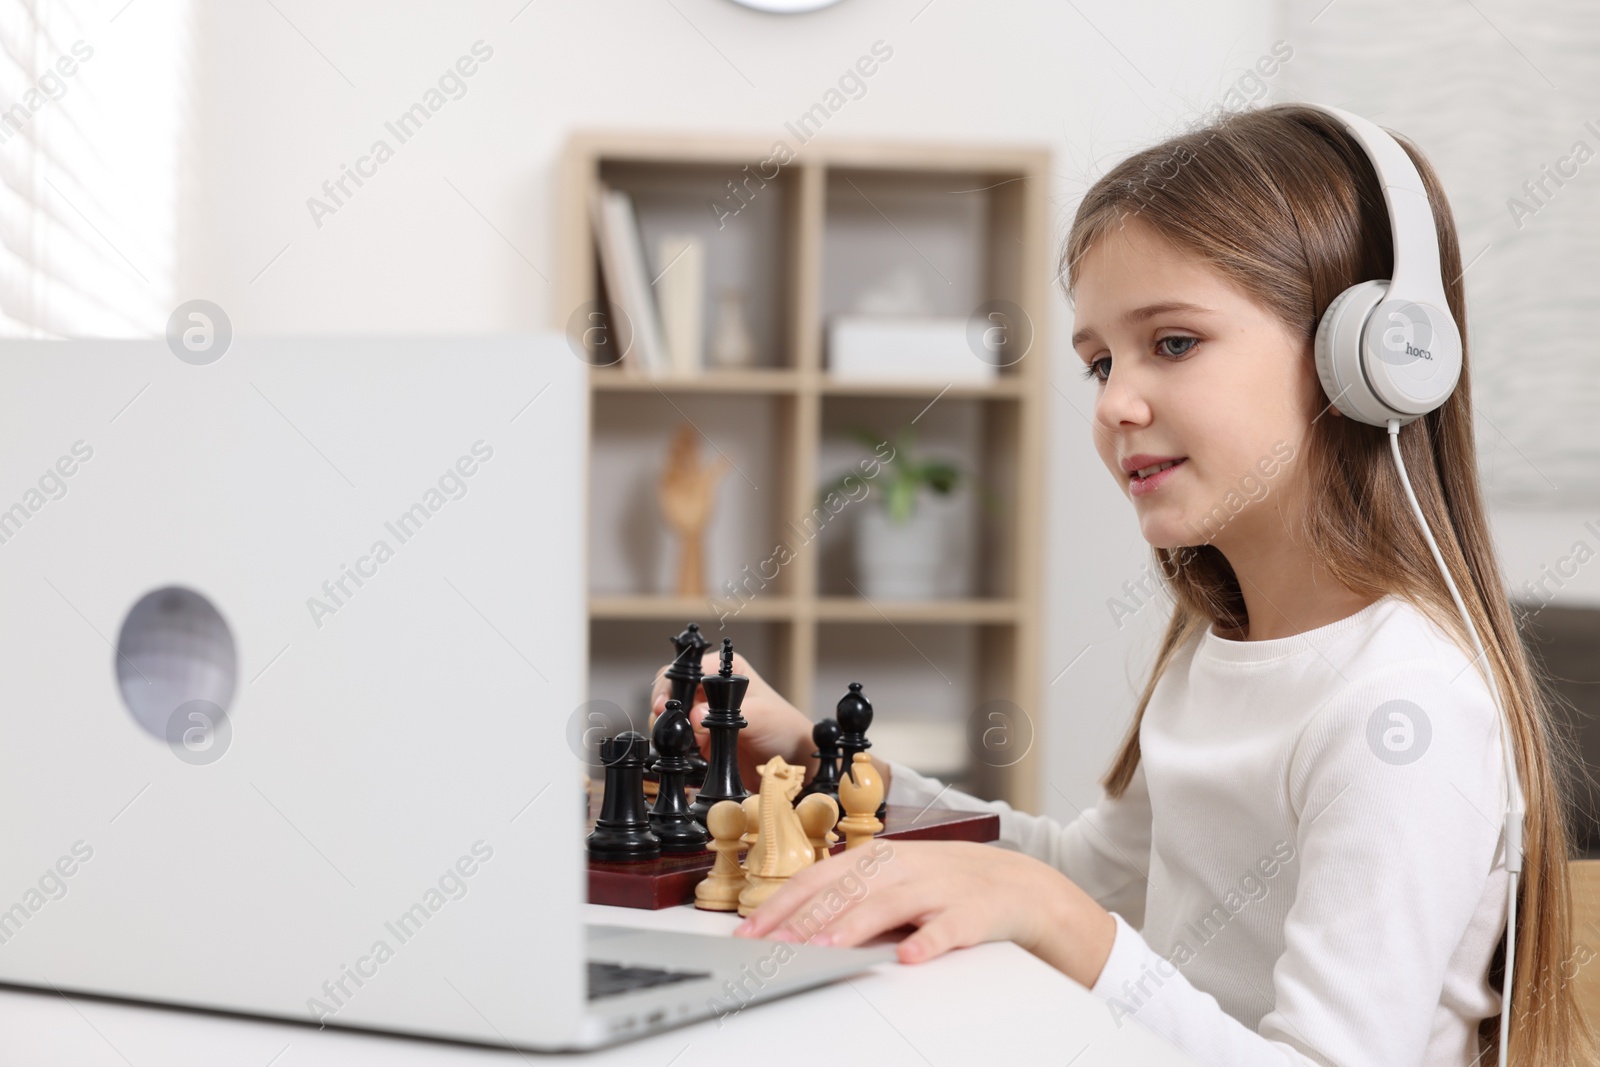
[993, 1003]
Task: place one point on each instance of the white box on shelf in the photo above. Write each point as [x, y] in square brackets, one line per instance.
[899, 348]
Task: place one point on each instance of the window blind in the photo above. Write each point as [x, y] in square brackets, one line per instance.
[92, 115]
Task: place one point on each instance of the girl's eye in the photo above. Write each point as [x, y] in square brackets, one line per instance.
[1094, 372]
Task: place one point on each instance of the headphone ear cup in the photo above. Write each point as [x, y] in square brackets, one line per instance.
[1338, 353]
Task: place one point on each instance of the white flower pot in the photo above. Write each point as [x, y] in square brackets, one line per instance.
[924, 558]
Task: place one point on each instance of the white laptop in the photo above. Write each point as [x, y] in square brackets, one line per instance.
[291, 640]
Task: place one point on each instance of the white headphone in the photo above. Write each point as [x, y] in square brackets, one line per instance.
[1390, 349]
[1388, 352]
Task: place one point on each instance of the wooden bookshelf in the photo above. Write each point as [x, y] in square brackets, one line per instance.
[606, 379]
[993, 198]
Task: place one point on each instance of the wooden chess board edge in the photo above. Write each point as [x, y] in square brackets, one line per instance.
[670, 881]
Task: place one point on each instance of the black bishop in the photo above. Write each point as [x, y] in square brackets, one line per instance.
[854, 712]
[670, 818]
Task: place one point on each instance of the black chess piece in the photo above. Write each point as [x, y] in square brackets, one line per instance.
[854, 712]
[825, 735]
[670, 818]
[684, 674]
[622, 833]
[724, 696]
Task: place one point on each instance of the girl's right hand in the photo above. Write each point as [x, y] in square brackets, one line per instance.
[775, 726]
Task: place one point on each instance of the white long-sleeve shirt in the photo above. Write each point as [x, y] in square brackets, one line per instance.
[1311, 849]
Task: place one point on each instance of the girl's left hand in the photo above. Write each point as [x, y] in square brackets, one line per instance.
[957, 893]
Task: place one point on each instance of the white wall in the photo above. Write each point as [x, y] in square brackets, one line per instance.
[1550, 556]
[409, 253]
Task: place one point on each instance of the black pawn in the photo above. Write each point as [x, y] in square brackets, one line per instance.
[688, 650]
[670, 819]
[724, 696]
[854, 713]
[622, 833]
[825, 735]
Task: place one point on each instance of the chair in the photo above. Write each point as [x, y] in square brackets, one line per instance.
[1584, 876]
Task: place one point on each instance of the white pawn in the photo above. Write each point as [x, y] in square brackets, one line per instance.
[752, 821]
[818, 814]
[719, 890]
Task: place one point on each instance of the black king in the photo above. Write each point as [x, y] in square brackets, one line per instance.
[724, 696]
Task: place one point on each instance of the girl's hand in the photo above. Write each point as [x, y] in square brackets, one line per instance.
[957, 893]
[775, 726]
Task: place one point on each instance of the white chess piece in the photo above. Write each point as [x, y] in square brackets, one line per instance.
[719, 890]
[818, 814]
[860, 791]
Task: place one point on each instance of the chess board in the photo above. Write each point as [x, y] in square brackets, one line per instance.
[670, 880]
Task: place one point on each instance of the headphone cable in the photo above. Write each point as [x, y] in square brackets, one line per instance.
[1514, 808]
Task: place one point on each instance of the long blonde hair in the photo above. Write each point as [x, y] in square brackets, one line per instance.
[1285, 204]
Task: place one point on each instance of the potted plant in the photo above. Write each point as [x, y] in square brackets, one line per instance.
[913, 544]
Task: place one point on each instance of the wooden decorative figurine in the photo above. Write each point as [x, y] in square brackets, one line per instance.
[860, 791]
[782, 846]
[685, 495]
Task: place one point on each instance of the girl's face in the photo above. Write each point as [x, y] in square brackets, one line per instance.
[1205, 397]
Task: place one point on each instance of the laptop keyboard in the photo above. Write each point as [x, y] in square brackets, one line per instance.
[612, 979]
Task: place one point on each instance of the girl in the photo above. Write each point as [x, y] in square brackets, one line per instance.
[1299, 855]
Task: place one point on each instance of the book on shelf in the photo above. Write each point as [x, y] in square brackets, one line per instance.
[627, 281]
[680, 295]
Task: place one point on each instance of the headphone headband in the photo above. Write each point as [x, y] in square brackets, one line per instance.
[1418, 273]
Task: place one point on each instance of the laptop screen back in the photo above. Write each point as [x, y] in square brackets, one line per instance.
[289, 644]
